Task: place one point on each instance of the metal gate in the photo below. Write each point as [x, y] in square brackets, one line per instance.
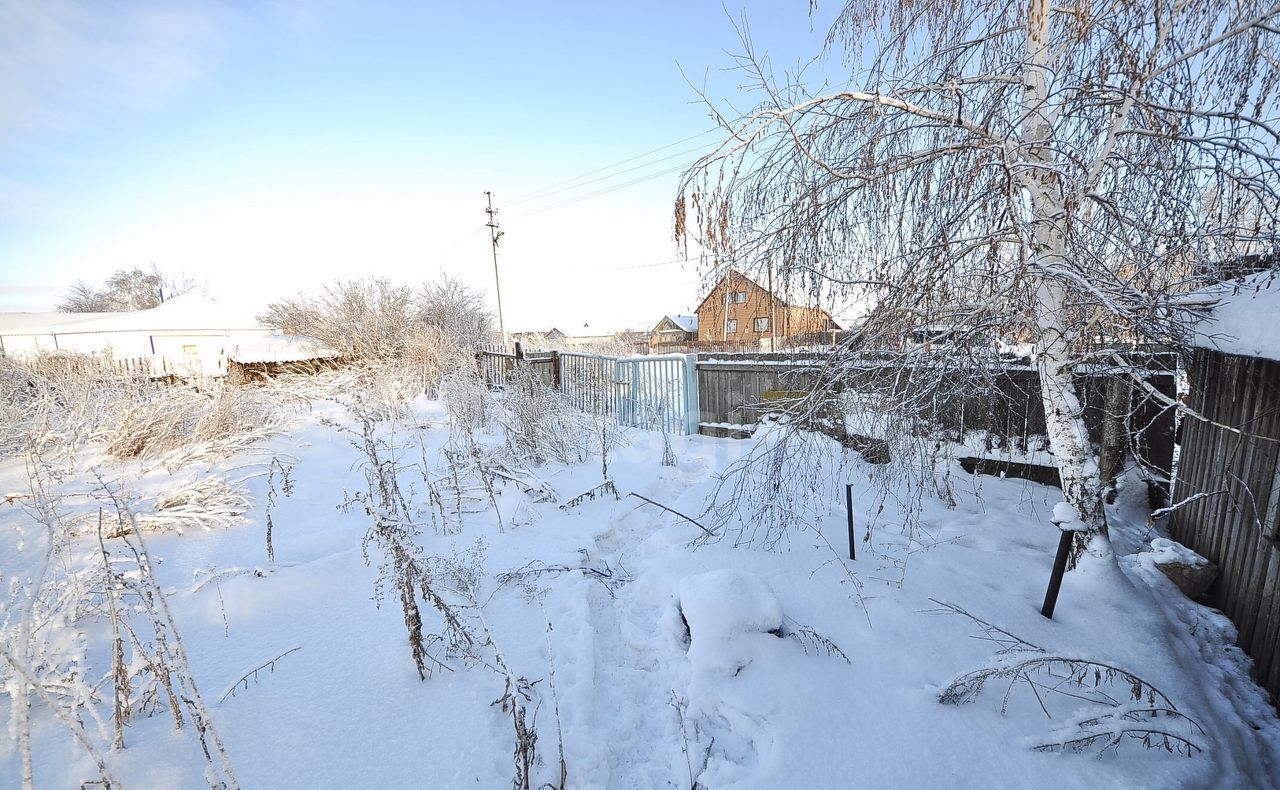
[657, 392]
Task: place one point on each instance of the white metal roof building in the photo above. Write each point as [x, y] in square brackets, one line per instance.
[189, 334]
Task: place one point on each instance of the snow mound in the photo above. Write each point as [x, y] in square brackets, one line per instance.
[1165, 551]
[1066, 518]
[721, 604]
[724, 610]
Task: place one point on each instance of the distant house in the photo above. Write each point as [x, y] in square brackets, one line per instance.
[537, 341]
[186, 335]
[740, 310]
[674, 329]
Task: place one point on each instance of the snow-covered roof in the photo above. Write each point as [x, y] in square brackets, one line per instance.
[44, 323]
[280, 348]
[1241, 316]
[188, 312]
[688, 323]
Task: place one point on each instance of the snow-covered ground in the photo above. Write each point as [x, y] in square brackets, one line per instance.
[657, 658]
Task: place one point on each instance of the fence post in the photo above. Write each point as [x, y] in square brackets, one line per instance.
[692, 403]
[519, 352]
[624, 393]
[1065, 540]
[555, 369]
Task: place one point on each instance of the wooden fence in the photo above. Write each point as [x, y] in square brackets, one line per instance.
[1231, 477]
[1009, 411]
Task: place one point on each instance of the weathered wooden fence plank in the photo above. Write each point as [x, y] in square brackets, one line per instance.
[1236, 529]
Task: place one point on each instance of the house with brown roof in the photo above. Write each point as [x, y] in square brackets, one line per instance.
[740, 310]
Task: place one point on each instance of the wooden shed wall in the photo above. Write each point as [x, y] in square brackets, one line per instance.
[1234, 522]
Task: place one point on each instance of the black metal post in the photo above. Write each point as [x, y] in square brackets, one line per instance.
[1059, 568]
[848, 510]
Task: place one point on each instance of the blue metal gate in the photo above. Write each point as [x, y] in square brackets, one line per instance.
[658, 392]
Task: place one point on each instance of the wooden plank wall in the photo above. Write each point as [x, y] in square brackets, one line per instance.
[1237, 476]
[733, 392]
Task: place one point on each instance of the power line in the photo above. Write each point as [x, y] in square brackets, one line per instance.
[609, 189]
[530, 195]
[644, 265]
[598, 270]
[461, 240]
[609, 175]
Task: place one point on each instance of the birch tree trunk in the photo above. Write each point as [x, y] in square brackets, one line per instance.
[1063, 410]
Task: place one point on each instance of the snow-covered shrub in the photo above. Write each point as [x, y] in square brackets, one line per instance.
[541, 424]
[723, 609]
[58, 405]
[61, 402]
[429, 332]
[185, 423]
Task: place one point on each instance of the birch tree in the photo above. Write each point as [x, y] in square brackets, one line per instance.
[1052, 172]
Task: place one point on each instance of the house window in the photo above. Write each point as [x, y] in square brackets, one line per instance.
[731, 326]
[190, 350]
[740, 297]
[762, 325]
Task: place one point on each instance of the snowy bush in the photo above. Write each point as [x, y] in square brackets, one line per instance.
[541, 424]
[429, 332]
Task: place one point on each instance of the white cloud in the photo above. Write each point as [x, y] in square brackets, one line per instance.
[68, 64]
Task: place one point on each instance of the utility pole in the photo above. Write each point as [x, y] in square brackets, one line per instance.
[494, 234]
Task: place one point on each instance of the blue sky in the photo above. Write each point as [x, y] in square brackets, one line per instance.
[266, 148]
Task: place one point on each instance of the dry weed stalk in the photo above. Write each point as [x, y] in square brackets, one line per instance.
[44, 650]
[252, 674]
[286, 488]
[538, 423]
[168, 662]
[393, 532]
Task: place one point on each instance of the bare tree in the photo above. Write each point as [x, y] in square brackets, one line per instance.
[368, 318]
[84, 298]
[138, 289]
[377, 319]
[456, 309]
[1055, 173]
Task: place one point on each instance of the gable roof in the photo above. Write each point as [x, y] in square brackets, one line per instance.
[749, 281]
[688, 323]
[549, 334]
[685, 323]
[752, 283]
